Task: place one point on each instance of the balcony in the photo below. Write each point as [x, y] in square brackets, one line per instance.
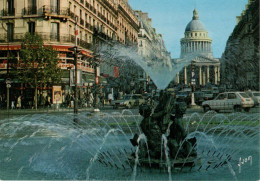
[9, 12]
[30, 11]
[72, 15]
[55, 12]
[49, 37]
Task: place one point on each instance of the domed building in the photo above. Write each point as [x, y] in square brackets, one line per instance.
[196, 47]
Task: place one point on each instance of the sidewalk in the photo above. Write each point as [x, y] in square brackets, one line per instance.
[4, 112]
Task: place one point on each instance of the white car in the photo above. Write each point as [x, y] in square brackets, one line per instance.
[129, 101]
[255, 96]
[229, 101]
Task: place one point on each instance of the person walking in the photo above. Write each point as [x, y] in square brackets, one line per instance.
[19, 102]
[91, 99]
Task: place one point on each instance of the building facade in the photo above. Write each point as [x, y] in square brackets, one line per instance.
[240, 60]
[150, 44]
[196, 50]
[55, 21]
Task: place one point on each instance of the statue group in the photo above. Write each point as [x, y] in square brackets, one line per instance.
[165, 119]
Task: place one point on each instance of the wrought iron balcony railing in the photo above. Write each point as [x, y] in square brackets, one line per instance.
[48, 37]
[55, 10]
[30, 10]
[9, 12]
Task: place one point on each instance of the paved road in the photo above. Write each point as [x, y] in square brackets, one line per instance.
[107, 109]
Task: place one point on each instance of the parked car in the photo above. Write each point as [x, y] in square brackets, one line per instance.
[208, 95]
[129, 101]
[255, 96]
[199, 97]
[229, 101]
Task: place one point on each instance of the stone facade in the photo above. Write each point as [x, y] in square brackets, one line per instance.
[150, 44]
[54, 21]
[240, 60]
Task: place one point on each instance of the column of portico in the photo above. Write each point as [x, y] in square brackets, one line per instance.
[200, 82]
[207, 74]
[218, 73]
[203, 78]
[185, 76]
[215, 75]
[177, 78]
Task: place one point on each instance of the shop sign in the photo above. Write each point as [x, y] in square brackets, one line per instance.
[116, 72]
[56, 95]
[79, 77]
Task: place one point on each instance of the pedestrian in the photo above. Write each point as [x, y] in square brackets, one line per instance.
[19, 102]
[110, 97]
[12, 105]
[91, 99]
[102, 99]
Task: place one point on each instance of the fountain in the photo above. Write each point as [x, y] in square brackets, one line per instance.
[166, 143]
[43, 146]
[162, 124]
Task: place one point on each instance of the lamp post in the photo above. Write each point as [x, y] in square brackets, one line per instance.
[193, 84]
[75, 51]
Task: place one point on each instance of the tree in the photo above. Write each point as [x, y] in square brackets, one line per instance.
[38, 64]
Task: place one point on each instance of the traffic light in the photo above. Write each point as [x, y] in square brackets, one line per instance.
[75, 49]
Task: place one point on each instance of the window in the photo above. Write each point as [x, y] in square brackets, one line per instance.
[80, 14]
[31, 27]
[55, 31]
[244, 95]
[10, 5]
[232, 96]
[221, 97]
[10, 31]
[32, 9]
[55, 6]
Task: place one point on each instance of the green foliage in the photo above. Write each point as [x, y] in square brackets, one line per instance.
[39, 64]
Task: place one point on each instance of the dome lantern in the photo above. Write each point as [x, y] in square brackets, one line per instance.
[195, 15]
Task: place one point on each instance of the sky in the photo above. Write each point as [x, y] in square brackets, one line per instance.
[170, 18]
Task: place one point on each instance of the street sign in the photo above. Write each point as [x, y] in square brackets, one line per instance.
[8, 81]
[8, 85]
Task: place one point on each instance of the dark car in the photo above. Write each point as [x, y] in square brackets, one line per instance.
[183, 96]
[199, 97]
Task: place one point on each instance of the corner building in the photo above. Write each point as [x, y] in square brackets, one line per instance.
[54, 21]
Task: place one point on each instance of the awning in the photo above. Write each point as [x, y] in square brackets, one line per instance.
[84, 52]
[10, 47]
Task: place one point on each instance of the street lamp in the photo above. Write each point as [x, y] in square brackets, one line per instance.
[193, 84]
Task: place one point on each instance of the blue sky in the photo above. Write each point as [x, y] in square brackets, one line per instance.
[170, 18]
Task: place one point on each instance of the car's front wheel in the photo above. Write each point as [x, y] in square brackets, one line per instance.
[237, 108]
[247, 109]
[206, 108]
